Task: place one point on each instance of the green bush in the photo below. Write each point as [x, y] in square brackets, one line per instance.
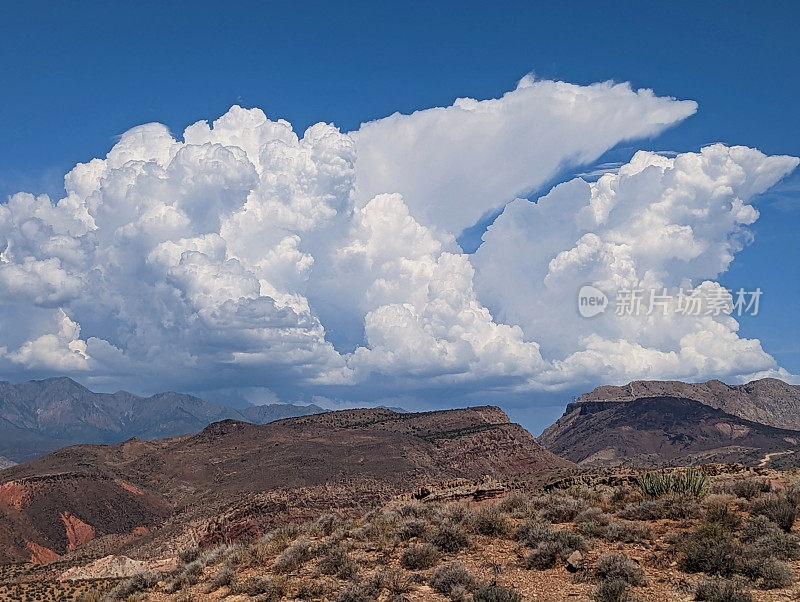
[691, 482]
[712, 550]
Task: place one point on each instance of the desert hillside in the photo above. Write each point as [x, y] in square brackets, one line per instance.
[236, 479]
[725, 534]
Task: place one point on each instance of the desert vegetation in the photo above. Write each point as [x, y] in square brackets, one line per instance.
[680, 535]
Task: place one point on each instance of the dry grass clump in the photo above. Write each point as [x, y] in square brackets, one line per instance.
[780, 508]
[616, 574]
[495, 593]
[450, 537]
[420, 557]
[337, 561]
[559, 508]
[723, 590]
[490, 521]
[132, 586]
[550, 546]
[297, 554]
[453, 580]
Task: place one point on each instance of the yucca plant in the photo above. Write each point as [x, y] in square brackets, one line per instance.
[686, 482]
[653, 484]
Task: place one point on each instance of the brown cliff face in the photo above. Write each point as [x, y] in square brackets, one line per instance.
[658, 431]
[235, 478]
[768, 401]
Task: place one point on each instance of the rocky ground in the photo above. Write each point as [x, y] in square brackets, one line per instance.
[728, 534]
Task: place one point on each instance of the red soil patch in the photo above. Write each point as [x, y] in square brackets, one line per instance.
[130, 488]
[14, 495]
[140, 531]
[40, 554]
[78, 532]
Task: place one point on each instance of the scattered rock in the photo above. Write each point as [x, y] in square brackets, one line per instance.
[118, 567]
[575, 562]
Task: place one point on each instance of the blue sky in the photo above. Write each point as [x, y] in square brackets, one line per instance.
[77, 75]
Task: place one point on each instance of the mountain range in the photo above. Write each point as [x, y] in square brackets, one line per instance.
[656, 423]
[235, 479]
[38, 417]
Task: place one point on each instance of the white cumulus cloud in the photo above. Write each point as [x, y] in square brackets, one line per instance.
[244, 255]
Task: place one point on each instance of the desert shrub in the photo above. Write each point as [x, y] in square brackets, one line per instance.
[393, 580]
[378, 527]
[133, 585]
[778, 508]
[450, 537]
[560, 508]
[718, 510]
[189, 555]
[263, 588]
[546, 555]
[775, 574]
[550, 546]
[771, 572]
[533, 533]
[620, 494]
[712, 550]
[294, 556]
[420, 557]
[328, 523]
[356, 592]
[90, 596]
[414, 509]
[612, 591]
[310, 589]
[490, 520]
[495, 593]
[593, 522]
[411, 528]
[223, 577]
[722, 590]
[670, 506]
[628, 531]
[453, 580]
[336, 561]
[516, 503]
[746, 488]
[618, 567]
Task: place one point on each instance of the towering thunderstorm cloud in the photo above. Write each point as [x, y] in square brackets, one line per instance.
[243, 255]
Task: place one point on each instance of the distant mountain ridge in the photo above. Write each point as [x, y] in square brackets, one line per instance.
[652, 423]
[235, 479]
[769, 401]
[37, 417]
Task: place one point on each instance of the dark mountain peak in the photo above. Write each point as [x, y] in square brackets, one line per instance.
[664, 430]
[768, 401]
